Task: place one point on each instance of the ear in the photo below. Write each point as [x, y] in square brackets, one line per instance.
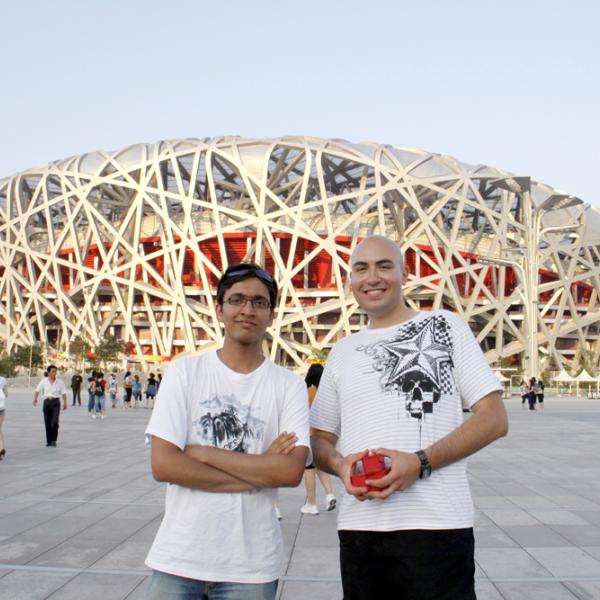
[405, 273]
[219, 311]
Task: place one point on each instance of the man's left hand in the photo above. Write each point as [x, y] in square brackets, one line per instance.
[405, 470]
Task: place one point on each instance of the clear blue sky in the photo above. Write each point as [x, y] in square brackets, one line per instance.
[512, 84]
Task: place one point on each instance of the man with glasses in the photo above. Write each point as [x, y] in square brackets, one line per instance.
[229, 427]
[51, 389]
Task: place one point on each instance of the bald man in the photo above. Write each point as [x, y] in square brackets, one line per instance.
[397, 388]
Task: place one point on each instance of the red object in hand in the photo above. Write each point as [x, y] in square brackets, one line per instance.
[373, 467]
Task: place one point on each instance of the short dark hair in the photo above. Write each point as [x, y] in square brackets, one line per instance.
[313, 376]
[246, 271]
[50, 367]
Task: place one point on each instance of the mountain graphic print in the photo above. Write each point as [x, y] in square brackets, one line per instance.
[228, 424]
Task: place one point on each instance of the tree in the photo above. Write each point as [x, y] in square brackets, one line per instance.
[109, 349]
[7, 366]
[79, 348]
[29, 355]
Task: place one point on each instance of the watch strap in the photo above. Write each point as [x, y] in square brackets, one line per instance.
[425, 465]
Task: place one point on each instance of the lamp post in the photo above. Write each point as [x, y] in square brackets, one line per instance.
[531, 217]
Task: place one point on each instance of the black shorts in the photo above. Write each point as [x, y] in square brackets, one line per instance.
[408, 565]
[540, 397]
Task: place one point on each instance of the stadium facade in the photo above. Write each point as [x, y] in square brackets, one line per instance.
[132, 243]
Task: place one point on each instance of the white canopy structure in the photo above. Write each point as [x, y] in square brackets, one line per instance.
[564, 377]
[585, 377]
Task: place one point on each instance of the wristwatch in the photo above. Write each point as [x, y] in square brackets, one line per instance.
[425, 466]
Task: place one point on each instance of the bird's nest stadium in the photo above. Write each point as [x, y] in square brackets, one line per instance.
[132, 243]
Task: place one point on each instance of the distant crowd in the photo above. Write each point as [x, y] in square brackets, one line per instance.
[532, 393]
[132, 391]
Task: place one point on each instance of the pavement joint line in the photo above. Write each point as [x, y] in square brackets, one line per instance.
[477, 510]
[80, 501]
[315, 579]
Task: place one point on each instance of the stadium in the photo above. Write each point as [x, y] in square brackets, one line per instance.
[131, 243]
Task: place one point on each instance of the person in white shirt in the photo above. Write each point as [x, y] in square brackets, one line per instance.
[50, 390]
[397, 388]
[228, 428]
[3, 397]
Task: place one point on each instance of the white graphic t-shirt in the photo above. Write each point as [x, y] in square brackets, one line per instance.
[403, 387]
[224, 536]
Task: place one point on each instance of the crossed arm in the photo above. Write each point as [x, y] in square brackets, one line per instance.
[488, 423]
[217, 470]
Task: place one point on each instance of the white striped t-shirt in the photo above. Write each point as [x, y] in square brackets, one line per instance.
[403, 387]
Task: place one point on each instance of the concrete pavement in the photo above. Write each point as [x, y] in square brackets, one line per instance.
[76, 521]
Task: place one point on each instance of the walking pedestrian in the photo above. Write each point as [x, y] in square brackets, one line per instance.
[137, 391]
[112, 389]
[91, 398]
[50, 389]
[531, 393]
[99, 396]
[310, 472]
[76, 382]
[524, 389]
[150, 391]
[3, 397]
[539, 393]
[128, 388]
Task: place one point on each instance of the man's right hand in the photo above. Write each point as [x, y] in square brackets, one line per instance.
[343, 469]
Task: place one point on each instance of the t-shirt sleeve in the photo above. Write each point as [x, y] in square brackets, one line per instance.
[169, 420]
[294, 416]
[325, 410]
[472, 374]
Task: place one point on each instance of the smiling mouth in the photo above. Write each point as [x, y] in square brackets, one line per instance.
[374, 292]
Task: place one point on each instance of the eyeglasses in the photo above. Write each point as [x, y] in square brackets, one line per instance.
[240, 300]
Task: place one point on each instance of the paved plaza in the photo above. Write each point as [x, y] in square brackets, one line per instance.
[76, 521]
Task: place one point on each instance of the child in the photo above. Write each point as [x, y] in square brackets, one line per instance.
[137, 392]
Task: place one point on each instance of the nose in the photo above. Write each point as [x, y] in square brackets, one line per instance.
[372, 276]
[248, 303]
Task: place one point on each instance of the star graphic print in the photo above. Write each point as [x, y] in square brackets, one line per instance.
[416, 364]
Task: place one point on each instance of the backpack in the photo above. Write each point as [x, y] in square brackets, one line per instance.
[99, 389]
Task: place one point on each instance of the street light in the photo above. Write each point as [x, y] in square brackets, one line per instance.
[531, 216]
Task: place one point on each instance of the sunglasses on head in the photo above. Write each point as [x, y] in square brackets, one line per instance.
[243, 270]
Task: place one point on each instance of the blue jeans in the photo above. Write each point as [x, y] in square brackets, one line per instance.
[163, 586]
[100, 403]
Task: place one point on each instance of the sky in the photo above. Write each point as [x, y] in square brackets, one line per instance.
[511, 84]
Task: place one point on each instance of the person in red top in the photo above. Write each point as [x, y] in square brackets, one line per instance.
[99, 391]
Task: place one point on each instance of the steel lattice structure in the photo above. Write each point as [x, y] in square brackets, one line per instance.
[132, 243]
